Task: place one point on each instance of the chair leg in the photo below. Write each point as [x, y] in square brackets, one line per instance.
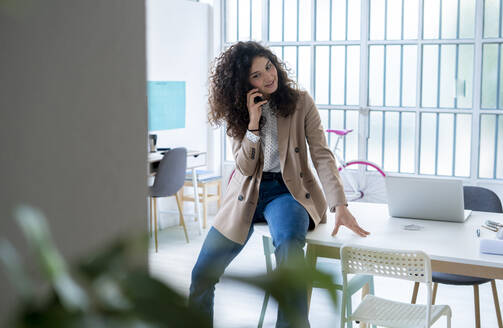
[372, 292]
[178, 202]
[414, 293]
[219, 193]
[349, 310]
[311, 260]
[205, 204]
[365, 292]
[264, 309]
[343, 309]
[434, 294]
[371, 286]
[155, 222]
[496, 302]
[150, 216]
[477, 305]
[195, 186]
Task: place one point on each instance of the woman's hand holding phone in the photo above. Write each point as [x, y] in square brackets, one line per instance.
[254, 108]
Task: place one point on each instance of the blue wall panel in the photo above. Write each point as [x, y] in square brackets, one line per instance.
[166, 105]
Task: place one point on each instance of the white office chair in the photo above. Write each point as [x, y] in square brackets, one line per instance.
[405, 265]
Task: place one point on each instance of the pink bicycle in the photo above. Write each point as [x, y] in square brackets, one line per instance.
[362, 180]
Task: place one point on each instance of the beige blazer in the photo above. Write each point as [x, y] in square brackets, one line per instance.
[295, 133]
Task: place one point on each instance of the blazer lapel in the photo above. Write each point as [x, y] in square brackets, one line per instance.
[283, 137]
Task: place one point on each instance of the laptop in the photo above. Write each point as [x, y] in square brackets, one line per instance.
[426, 198]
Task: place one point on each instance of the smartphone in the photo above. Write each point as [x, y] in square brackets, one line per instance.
[257, 99]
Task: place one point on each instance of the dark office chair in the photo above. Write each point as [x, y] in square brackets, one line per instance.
[168, 181]
[476, 199]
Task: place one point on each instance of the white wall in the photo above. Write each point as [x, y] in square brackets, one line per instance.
[73, 122]
[215, 139]
[178, 49]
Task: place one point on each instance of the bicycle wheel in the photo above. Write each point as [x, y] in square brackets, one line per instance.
[363, 181]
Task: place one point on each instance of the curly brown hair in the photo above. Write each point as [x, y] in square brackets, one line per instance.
[229, 85]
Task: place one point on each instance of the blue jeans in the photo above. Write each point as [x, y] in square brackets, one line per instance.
[288, 223]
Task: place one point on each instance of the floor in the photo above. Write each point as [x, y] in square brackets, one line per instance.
[238, 305]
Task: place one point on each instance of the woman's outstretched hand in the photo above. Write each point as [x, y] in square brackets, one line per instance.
[254, 109]
[343, 217]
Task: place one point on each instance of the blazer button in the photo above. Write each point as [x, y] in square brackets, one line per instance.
[240, 197]
[297, 149]
[301, 174]
[308, 195]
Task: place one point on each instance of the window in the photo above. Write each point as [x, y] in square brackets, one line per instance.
[418, 80]
[490, 155]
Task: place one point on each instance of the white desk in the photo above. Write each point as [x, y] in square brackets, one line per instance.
[195, 159]
[452, 247]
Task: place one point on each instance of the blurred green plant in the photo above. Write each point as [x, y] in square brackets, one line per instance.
[110, 289]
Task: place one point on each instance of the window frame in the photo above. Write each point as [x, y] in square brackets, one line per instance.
[365, 43]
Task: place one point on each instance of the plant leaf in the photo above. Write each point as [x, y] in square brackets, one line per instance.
[156, 302]
[15, 271]
[35, 228]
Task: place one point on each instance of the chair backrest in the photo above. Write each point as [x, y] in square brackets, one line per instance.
[171, 173]
[406, 265]
[481, 199]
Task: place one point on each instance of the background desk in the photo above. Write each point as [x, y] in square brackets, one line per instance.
[195, 159]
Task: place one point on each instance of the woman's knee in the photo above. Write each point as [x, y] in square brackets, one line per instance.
[290, 238]
[287, 219]
[212, 264]
[293, 233]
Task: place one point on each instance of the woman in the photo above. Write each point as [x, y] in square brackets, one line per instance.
[269, 120]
